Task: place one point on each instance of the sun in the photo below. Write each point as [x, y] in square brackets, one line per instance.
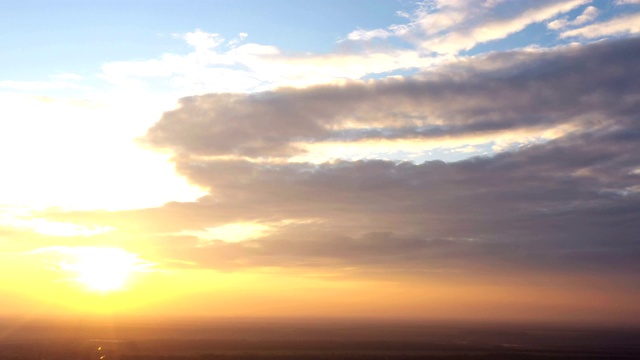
[103, 269]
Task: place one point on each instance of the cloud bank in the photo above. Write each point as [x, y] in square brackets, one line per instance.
[575, 87]
[569, 203]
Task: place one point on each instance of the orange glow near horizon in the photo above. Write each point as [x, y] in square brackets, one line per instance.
[161, 292]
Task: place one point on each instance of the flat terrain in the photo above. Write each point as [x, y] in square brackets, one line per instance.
[318, 339]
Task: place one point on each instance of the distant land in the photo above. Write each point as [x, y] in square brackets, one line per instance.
[247, 338]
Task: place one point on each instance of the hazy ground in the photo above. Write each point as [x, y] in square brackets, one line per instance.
[309, 339]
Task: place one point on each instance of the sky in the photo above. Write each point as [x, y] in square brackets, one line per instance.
[432, 160]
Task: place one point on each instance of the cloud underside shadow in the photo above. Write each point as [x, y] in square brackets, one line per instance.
[572, 202]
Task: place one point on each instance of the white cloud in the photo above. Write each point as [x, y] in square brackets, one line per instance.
[214, 67]
[202, 41]
[465, 37]
[589, 14]
[623, 25]
[237, 40]
[443, 28]
[448, 27]
[365, 35]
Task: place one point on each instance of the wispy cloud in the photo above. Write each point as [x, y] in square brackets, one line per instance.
[589, 14]
[236, 66]
[449, 27]
[622, 25]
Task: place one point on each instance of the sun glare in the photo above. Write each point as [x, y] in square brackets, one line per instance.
[103, 269]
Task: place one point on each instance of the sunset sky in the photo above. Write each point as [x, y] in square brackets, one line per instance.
[444, 159]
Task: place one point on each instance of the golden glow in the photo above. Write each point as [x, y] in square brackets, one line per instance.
[102, 269]
[47, 227]
[35, 289]
[232, 232]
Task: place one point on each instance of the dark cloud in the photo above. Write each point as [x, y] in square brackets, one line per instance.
[572, 203]
[592, 85]
[563, 202]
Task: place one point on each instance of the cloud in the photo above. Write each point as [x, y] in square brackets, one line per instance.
[492, 27]
[215, 66]
[364, 35]
[494, 94]
[622, 25]
[435, 32]
[565, 205]
[570, 203]
[202, 41]
[449, 27]
[589, 14]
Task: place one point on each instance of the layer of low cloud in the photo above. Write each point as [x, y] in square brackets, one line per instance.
[570, 203]
[499, 93]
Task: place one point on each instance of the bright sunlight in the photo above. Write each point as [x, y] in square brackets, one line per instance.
[102, 269]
